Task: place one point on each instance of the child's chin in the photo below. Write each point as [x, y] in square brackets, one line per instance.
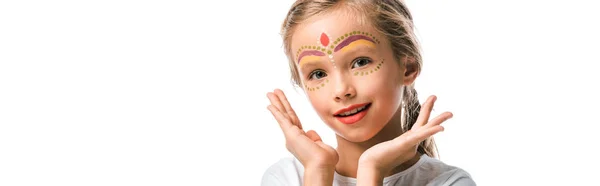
[358, 135]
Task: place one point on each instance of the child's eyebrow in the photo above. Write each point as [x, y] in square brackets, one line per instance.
[309, 65]
[309, 53]
[310, 61]
[351, 39]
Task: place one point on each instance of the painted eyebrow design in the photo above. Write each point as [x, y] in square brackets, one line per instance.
[351, 39]
[309, 53]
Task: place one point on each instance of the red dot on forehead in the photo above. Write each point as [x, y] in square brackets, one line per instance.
[324, 39]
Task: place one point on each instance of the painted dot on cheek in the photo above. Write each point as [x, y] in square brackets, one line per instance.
[371, 71]
[355, 73]
[322, 84]
[318, 87]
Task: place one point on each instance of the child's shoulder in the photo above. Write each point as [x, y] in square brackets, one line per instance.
[286, 171]
[440, 173]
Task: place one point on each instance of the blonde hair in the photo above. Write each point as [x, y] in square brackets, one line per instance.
[392, 19]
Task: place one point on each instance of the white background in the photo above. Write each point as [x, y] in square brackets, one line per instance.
[173, 92]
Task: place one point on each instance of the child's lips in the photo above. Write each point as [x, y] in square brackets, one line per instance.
[351, 108]
[353, 117]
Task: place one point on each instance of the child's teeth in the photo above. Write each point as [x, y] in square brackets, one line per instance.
[350, 112]
[353, 111]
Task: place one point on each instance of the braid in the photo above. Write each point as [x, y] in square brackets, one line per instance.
[412, 110]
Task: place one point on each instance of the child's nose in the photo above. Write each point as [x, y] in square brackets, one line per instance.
[344, 91]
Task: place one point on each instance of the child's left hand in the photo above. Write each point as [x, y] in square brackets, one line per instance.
[384, 157]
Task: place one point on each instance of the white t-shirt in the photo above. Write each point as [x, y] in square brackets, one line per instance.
[427, 171]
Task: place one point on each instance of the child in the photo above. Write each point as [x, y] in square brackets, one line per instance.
[357, 60]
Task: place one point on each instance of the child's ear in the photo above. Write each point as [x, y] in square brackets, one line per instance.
[411, 70]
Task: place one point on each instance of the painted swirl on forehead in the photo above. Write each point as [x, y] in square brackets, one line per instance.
[351, 39]
[309, 53]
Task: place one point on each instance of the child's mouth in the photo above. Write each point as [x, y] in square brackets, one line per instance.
[354, 115]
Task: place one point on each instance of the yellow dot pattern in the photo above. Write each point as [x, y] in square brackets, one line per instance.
[371, 71]
[318, 87]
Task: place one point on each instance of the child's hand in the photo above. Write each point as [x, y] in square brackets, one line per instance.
[306, 146]
[384, 157]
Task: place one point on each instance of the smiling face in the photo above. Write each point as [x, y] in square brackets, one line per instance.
[350, 74]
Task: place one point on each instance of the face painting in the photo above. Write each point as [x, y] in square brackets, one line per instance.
[344, 43]
[317, 87]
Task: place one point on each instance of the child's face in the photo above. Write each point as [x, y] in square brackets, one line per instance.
[343, 64]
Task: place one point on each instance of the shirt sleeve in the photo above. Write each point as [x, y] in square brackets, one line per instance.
[269, 179]
[284, 172]
[455, 177]
[460, 177]
[463, 181]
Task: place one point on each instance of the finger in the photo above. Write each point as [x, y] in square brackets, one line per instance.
[273, 98]
[440, 119]
[313, 135]
[284, 123]
[288, 108]
[425, 112]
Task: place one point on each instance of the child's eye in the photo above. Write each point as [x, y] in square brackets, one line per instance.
[317, 74]
[359, 62]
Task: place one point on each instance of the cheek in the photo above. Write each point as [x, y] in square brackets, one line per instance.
[383, 88]
[318, 94]
[380, 80]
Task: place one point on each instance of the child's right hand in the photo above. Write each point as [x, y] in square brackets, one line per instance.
[306, 146]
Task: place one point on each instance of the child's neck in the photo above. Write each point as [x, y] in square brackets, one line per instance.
[349, 152]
